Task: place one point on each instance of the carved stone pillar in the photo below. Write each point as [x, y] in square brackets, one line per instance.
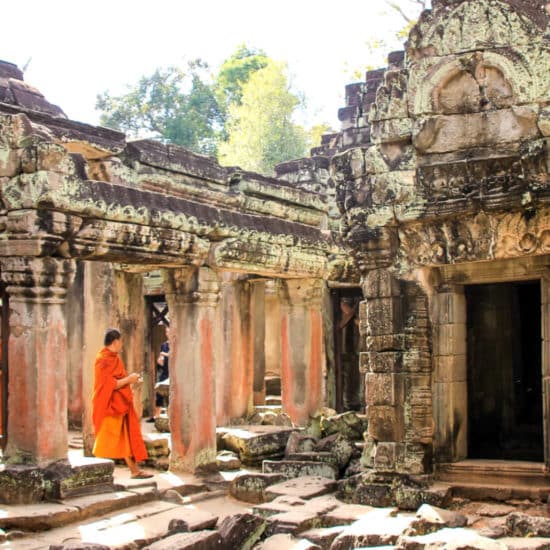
[234, 370]
[382, 330]
[37, 350]
[257, 319]
[272, 309]
[303, 354]
[192, 295]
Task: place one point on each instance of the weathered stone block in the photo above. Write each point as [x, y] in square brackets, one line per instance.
[386, 342]
[450, 414]
[387, 456]
[293, 469]
[339, 446]
[384, 316]
[384, 389]
[21, 485]
[524, 525]
[299, 443]
[349, 424]
[241, 530]
[197, 540]
[450, 339]
[10, 162]
[386, 423]
[303, 487]
[450, 368]
[451, 308]
[380, 283]
[381, 362]
[252, 487]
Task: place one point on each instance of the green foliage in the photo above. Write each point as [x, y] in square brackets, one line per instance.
[236, 71]
[316, 133]
[172, 105]
[260, 129]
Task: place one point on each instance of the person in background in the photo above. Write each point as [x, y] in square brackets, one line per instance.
[116, 424]
[162, 373]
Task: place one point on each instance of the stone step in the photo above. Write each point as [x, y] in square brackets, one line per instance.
[273, 400]
[277, 409]
[495, 473]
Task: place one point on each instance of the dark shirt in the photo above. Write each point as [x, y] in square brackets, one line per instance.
[162, 370]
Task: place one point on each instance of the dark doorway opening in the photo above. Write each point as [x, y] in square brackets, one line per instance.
[349, 383]
[505, 371]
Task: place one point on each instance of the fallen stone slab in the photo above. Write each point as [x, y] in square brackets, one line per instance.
[300, 443]
[228, 460]
[253, 487]
[241, 531]
[196, 520]
[524, 525]
[286, 542]
[449, 539]
[377, 528]
[292, 522]
[79, 546]
[302, 487]
[349, 424]
[495, 510]
[323, 536]
[411, 497]
[256, 443]
[339, 446]
[345, 514]
[281, 504]
[430, 519]
[528, 543]
[292, 469]
[314, 456]
[199, 540]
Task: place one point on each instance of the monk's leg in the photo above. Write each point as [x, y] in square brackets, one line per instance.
[131, 463]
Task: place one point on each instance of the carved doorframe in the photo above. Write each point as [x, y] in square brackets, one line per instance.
[450, 397]
[4, 375]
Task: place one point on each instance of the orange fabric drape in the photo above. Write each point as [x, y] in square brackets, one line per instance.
[107, 400]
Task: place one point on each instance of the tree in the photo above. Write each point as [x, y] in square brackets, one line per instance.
[260, 129]
[235, 72]
[171, 105]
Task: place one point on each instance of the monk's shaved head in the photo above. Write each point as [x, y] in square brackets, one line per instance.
[111, 335]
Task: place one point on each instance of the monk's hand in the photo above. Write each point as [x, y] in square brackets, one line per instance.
[135, 377]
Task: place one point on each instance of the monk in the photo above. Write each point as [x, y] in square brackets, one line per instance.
[116, 424]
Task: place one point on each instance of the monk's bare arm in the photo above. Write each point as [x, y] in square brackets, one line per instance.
[130, 379]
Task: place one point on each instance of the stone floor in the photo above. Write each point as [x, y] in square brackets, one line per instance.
[146, 513]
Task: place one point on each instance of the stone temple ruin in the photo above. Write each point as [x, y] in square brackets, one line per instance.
[402, 271]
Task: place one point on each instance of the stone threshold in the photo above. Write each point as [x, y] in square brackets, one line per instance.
[495, 479]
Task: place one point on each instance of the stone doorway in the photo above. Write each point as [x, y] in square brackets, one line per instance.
[349, 382]
[504, 371]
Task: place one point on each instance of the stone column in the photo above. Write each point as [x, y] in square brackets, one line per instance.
[257, 319]
[75, 341]
[130, 320]
[192, 295]
[234, 370]
[37, 349]
[303, 353]
[99, 314]
[272, 309]
[381, 324]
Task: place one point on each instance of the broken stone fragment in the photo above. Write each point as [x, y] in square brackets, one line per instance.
[524, 525]
[302, 487]
[198, 540]
[300, 443]
[431, 518]
[340, 447]
[293, 469]
[252, 487]
[350, 424]
[451, 539]
[228, 460]
[241, 531]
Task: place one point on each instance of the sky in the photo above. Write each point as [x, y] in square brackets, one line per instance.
[80, 49]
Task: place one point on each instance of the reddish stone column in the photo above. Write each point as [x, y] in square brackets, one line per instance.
[37, 355]
[234, 370]
[303, 353]
[192, 296]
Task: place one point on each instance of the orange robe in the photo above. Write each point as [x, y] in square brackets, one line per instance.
[110, 404]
